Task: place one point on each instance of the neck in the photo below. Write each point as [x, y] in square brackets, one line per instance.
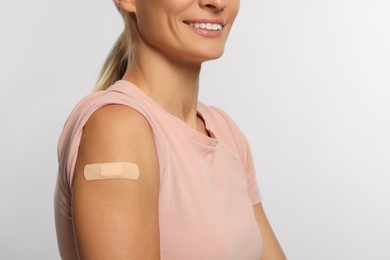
[172, 85]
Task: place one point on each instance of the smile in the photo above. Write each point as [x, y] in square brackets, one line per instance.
[207, 26]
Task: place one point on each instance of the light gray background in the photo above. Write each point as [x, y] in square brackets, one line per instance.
[307, 81]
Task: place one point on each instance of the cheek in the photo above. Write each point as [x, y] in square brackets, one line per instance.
[147, 19]
[175, 6]
[235, 7]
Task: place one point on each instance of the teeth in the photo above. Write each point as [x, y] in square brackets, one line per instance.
[207, 26]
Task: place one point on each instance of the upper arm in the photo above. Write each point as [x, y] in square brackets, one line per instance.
[271, 247]
[117, 218]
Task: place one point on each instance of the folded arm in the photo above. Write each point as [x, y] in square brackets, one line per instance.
[271, 247]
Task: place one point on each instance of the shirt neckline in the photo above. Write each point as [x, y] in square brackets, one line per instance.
[211, 141]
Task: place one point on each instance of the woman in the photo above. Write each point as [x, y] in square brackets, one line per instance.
[147, 172]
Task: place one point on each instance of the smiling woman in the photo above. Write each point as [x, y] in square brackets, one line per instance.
[145, 170]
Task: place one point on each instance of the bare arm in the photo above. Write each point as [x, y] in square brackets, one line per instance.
[117, 218]
[271, 247]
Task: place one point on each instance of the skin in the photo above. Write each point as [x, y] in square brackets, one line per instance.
[167, 67]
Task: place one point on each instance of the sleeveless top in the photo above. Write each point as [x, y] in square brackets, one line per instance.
[207, 184]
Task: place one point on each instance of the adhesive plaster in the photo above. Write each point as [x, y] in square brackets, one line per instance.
[113, 170]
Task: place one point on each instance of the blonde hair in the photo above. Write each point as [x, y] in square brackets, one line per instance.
[120, 56]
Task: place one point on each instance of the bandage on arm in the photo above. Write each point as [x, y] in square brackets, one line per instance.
[112, 170]
[116, 218]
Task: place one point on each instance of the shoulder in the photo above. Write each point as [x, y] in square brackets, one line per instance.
[118, 132]
[93, 101]
[119, 119]
[91, 109]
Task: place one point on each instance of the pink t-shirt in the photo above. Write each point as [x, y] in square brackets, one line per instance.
[207, 184]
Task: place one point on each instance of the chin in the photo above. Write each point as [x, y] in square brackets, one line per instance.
[211, 54]
[197, 56]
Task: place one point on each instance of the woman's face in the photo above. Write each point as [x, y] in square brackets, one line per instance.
[185, 30]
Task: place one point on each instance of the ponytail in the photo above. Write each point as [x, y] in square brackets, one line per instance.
[117, 61]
